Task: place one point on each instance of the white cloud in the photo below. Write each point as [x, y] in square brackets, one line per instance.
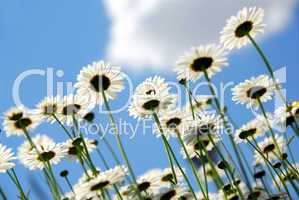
[147, 34]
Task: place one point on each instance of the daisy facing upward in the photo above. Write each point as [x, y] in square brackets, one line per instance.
[193, 65]
[97, 78]
[247, 22]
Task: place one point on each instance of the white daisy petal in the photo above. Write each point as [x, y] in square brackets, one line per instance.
[210, 58]
[247, 21]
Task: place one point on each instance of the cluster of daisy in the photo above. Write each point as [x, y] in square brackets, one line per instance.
[218, 165]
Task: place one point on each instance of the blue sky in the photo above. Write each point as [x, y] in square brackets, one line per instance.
[67, 35]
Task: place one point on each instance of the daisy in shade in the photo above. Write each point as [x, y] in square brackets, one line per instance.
[75, 147]
[17, 119]
[270, 150]
[74, 106]
[253, 129]
[48, 107]
[210, 58]
[176, 193]
[289, 176]
[104, 180]
[249, 21]
[151, 96]
[98, 77]
[173, 122]
[249, 91]
[210, 173]
[47, 151]
[166, 176]
[295, 109]
[212, 196]
[6, 158]
[287, 115]
[200, 103]
[201, 130]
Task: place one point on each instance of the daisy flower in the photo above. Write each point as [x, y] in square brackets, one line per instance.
[17, 119]
[210, 58]
[210, 173]
[249, 91]
[288, 176]
[252, 129]
[176, 193]
[249, 21]
[150, 182]
[98, 77]
[6, 158]
[166, 175]
[48, 107]
[173, 122]
[287, 115]
[75, 147]
[212, 196]
[200, 104]
[295, 108]
[103, 180]
[201, 130]
[47, 151]
[151, 96]
[74, 106]
[269, 149]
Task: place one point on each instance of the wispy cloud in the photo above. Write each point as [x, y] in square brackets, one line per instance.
[153, 33]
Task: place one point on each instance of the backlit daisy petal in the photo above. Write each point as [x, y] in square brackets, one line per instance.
[47, 151]
[247, 21]
[200, 103]
[48, 107]
[17, 119]
[269, 149]
[176, 193]
[252, 129]
[209, 172]
[289, 176]
[74, 149]
[199, 130]
[173, 122]
[97, 77]
[6, 158]
[74, 106]
[249, 91]
[191, 66]
[212, 196]
[150, 96]
[103, 180]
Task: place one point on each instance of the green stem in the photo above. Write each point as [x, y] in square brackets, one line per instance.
[270, 70]
[17, 183]
[2, 194]
[179, 166]
[194, 171]
[268, 162]
[219, 110]
[120, 144]
[62, 126]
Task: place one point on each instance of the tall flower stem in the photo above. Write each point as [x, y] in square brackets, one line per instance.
[171, 154]
[194, 171]
[107, 167]
[270, 70]
[109, 147]
[120, 144]
[17, 183]
[225, 123]
[269, 163]
[179, 166]
[230, 171]
[2, 194]
[62, 126]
